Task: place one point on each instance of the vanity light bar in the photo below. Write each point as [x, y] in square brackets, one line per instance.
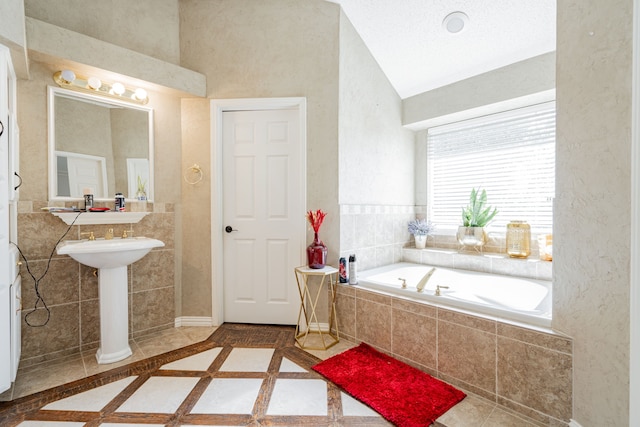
[70, 80]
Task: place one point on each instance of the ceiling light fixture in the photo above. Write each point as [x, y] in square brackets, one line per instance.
[455, 22]
[70, 80]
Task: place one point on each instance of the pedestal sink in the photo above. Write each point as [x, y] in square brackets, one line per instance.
[111, 258]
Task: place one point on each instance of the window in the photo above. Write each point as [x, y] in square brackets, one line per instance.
[510, 154]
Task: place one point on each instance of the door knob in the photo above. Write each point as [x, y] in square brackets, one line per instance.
[229, 229]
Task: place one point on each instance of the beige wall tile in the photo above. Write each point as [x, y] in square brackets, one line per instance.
[414, 337]
[474, 322]
[153, 271]
[373, 297]
[61, 333]
[547, 340]
[88, 283]
[414, 307]
[346, 313]
[151, 310]
[535, 377]
[373, 323]
[89, 323]
[467, 354]
[58, 286]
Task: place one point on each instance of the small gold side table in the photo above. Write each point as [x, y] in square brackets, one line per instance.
[308, 303]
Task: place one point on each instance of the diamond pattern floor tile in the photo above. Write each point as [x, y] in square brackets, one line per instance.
[288, 366]
[299, 397]
[229, 396]
[159, 395]
[92, 400]
[248, 360]
[197, 362]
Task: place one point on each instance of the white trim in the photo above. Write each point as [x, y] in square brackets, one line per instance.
[193, 321]
[485, 110]
[634, 291]
[574, 423]
[218, 106]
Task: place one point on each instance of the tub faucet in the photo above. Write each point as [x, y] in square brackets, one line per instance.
[423, 282]
[438, 289]
[404, 282]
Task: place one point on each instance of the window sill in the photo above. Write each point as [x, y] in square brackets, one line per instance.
[487, 262]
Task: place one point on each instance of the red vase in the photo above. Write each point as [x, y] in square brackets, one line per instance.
[316, 253]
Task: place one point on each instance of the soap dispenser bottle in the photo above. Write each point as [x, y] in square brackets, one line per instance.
[353, 270]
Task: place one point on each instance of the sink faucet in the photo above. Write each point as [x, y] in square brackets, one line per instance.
[90, 233]
[109, 234]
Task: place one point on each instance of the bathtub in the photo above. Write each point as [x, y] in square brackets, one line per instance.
[504, 297]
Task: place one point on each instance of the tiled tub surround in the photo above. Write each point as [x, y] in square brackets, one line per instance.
[524, 369]
[378, 235]
[70, 289]
[513, 299]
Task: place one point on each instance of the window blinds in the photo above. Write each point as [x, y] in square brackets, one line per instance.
[510, 154]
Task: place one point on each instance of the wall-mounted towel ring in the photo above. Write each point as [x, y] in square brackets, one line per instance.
[1, 128]
[193, 174]
[17, 186]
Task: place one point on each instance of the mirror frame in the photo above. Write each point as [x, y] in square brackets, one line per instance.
[51, 114]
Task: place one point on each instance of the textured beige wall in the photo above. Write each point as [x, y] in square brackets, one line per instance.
[196, 200]
[376, 152]
[249, 49]
[12, 33]
[592, 208]
[145, 26]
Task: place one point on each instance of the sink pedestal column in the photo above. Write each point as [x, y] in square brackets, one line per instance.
[114, 315]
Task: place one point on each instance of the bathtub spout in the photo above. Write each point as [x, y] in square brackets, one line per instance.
[423, 282]
[437, 293]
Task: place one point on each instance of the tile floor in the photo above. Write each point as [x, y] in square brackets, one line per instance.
[206, 382]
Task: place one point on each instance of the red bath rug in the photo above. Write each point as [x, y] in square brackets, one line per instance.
[402, 394]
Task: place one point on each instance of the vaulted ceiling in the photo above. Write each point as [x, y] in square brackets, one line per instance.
[410, 41]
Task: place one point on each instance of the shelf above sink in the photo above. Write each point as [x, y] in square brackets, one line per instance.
[96, 218]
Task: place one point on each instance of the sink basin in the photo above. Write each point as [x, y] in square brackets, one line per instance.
[111, 258]
[101, 253]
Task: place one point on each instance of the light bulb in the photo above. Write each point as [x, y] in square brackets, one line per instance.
[68, 76]
[94, 83]
[118, 88]
[140, 94]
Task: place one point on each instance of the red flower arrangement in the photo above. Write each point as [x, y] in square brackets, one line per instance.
[315, 219]
[316, 251]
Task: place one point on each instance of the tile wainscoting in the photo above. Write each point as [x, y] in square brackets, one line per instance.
[528, 371]
[70, 289]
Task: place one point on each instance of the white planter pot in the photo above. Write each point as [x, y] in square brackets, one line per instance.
[421, 241]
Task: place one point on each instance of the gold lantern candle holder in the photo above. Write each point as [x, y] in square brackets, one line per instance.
[518, 239]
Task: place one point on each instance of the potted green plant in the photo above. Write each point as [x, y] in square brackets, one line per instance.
[420, 229]
[475, 216]
[141, 194]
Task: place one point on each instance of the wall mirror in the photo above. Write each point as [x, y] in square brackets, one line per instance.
[98, 145]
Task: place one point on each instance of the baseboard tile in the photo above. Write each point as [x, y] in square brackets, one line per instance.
[193, 321]
[574, 423]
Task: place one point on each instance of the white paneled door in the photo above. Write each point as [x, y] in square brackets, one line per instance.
[263, 215]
